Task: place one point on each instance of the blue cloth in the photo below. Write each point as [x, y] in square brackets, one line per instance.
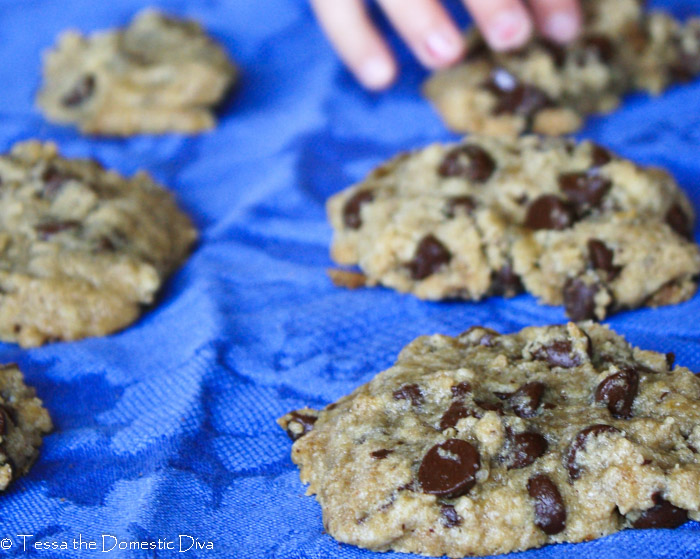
[168, 428]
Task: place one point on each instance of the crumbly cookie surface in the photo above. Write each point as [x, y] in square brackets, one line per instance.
[82, 249]
[488, 443]
[571, 223]
[23, 422]
[549, 89]
[159, 74]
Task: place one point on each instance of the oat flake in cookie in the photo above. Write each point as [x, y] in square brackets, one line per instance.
[549, 88]
[487, 443]
[571, 223]
[23, 422]
[82, 249]
[159, 74]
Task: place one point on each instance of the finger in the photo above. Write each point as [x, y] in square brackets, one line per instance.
[560, 20]
[427, 29]
[357, 41]
[506, 24]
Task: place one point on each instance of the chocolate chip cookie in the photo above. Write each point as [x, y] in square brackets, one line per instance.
[488, 443]
[570, 223]
[82, 249]
[23, 422]
[549, 89]
[159, 74]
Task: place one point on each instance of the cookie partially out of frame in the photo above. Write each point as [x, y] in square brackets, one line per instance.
[159, 74]
[570, 223]
[82, 249]
[487, 443]
[23, 423]
[549, 89]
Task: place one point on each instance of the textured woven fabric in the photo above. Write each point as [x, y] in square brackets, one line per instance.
[168, 428]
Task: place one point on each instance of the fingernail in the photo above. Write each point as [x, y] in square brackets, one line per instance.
[561, 26]
[444, 46]
[376, 73]
[508, 30]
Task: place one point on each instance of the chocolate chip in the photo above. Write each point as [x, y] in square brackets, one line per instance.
[599, 156]
[514, 97]
[454, 413]
[558, 353]
[662, 515]
[351, 210]
[51, 228]
[449, 469]
[584, 190]
[579, 299]
[465, 204]
[598, 46]
[550, 512]
[53, 180]
[381, 454]
[306, 422]
[82, 90]
[618, 391]
[549, 212]
[525, 448]
[430, 256]
[3, 421]
[579, 442]
[527, 399]
[679, 222]
[470, 162]
[601, 258]
[450, 518]
[556, 52]
[460, 390]
[487, 336]
[670, 359]
[506, 282]
[489, 406]
[411, 392]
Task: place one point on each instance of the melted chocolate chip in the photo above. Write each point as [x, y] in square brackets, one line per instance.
[53, 180]
[662, 515]
[598, 46]
[525, 448]
[679, 222]
[465, 204]
[601, 258]
[449, 469]
[430, 256]
[487, 336]
[549, 212]
[579, 442]
[489, 406]
[584, 190]
[450, 518]
[351, 210]
[550, 512]
[306, 422]
[506, 282]
[410, 392]
[460, 390]
[599, 156]
[556, 52]
[51, 228]
[579, 299]
[381, 454]
[618, 391]
[454, 413]
[82, 90]
[527, 399]
[470, 162]
[670, 359]
[558, 353]
[514, 97]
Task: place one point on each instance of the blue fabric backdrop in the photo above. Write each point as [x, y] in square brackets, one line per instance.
[168, 428]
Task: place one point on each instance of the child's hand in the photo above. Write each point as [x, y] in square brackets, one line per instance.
[432, 35]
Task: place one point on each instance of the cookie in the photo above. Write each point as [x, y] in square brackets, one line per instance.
[488, 443]
[549, 89]
[23, 422]
[570, 223]
[159, 74]
[82, 249]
